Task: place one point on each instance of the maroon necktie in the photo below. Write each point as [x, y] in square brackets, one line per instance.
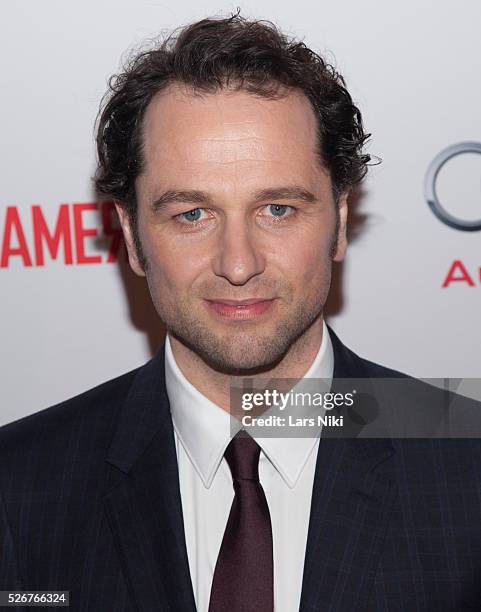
[243, 577]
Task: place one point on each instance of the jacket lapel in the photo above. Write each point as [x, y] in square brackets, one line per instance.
[143, 505]
[352, 500]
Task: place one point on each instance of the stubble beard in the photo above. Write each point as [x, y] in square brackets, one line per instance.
[243, 348]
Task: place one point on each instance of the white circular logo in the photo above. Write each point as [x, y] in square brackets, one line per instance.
[430, 186]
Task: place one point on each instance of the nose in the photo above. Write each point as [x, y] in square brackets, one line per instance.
[237, 256]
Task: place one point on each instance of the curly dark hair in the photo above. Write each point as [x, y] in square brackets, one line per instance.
[210, 55]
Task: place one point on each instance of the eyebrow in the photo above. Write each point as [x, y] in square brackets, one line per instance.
[285, 193]
[199, 197]
[180, 197]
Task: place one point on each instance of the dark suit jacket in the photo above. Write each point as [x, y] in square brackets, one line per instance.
[90, 503]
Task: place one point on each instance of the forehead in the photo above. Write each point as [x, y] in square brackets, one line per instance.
[229, 134]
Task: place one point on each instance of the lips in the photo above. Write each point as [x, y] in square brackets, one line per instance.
[240, 309]
[240, 302]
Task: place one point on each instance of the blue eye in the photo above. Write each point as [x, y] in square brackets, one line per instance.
[280, 212]
[191, 215]
[279, 208]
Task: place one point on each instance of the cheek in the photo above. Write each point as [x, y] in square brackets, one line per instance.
[173, 268]
[306, 261]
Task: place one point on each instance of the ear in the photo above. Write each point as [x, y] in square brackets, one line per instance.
[129, 239]
[341, 234]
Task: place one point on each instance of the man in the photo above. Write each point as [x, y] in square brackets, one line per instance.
[230, 152]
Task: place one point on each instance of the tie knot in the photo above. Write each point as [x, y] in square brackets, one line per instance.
[242, 455]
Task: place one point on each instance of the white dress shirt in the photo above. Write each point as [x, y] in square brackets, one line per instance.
[286, 471]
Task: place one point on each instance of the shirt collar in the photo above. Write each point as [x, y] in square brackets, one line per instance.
[204, 429]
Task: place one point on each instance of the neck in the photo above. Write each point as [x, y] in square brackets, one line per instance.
[216, 385]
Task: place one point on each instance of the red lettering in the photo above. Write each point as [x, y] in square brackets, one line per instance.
[81, 233]
[12, 222]
[458, 267]
[61, 232]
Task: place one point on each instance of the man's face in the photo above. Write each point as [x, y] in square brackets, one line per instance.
[233, 204]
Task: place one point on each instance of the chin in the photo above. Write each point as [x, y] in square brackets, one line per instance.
[247, 367]
[247, 358]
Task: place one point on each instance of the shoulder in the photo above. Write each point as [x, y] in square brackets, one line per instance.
[376, 370]
[89, 415]
[347, 364]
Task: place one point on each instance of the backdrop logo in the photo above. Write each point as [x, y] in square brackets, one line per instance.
[458, 274]
[67, 238]
[431, 194]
